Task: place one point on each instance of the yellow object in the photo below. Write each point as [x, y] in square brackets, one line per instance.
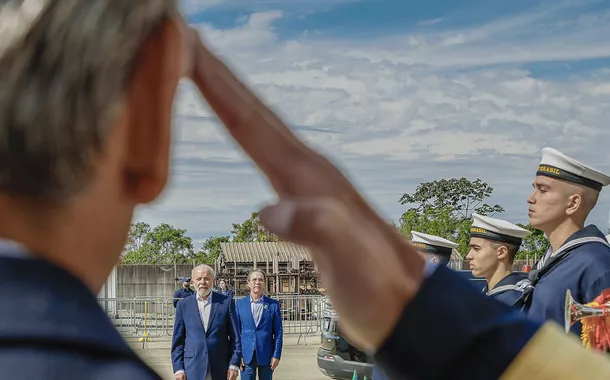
[587, 333]
[145, 338]
[553, 355]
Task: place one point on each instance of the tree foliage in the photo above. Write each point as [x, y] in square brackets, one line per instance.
[163, 244]
[460, 195]
[251, 231]
[534, 245]
[444, 208]
[166, 244]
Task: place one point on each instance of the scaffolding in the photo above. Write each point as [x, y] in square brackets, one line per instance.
[288, 267]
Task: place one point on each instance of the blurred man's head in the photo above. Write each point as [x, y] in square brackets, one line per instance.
[565, 190]
[86, 92]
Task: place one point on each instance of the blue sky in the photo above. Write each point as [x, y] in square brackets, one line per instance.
[396, 93]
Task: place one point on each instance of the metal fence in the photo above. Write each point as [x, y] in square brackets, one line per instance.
[150, 317]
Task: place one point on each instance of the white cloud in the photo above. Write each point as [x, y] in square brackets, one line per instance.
[309, 6]
[392, 119]
[256, 32]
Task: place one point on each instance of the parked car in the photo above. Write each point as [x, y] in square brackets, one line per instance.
[338, 358]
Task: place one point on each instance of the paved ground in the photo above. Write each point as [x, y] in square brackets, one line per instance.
[298, 361]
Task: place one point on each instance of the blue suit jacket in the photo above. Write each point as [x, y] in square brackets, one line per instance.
[193, 348]
[52, 328]
[267, 338]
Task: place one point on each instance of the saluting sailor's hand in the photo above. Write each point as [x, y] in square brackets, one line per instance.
[320, 209]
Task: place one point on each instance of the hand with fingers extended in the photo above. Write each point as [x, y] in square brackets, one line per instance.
[318, 208]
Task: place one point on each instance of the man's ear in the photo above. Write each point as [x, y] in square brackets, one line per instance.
[574, 204]
[149, 103]
[502, 252]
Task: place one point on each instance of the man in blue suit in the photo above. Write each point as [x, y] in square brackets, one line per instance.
[260, 324]
[205, 342]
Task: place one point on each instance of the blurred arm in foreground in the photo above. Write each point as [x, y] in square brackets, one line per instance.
[443, 325]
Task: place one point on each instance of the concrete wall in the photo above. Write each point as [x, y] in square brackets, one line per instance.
[149, 280]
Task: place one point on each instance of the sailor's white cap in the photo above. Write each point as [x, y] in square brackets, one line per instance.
[557, 165]
[496, 229]
[432, 244]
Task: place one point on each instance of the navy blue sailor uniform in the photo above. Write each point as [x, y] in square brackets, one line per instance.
[450, 330]
[510, 288]
[581, 264]
[438, 251]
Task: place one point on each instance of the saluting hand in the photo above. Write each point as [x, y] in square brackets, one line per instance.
[319, 208]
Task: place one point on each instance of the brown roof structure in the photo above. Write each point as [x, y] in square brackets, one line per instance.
[263, 252]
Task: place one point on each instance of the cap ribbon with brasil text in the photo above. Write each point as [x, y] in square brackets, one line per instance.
[432, 244]
[555, 164]
[489, 228]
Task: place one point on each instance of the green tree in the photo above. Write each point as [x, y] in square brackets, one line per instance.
[444, 208]
[164, 244]
[534, 245]
[210, 249]
[251, 230]
[137, 236]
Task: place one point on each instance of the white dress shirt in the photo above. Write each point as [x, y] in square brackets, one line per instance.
[204, 307]
[256, 306]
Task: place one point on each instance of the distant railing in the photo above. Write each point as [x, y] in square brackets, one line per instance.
[154, 316]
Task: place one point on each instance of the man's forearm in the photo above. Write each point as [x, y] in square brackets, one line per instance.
[451, 330]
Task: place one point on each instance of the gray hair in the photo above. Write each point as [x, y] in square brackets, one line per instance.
[64, 66]
[257, 271]
[203, 267]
